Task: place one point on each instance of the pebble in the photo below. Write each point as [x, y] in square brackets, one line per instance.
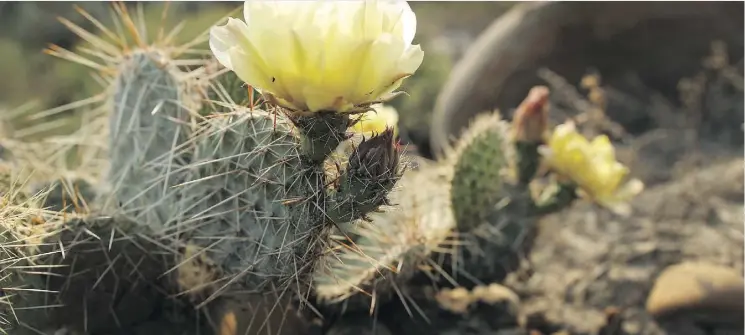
[699, 292]
[257, 314]
[458, 300]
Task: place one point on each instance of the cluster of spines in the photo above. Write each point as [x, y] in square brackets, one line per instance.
[248, 196]
[476, 217]
[482, 163]
[371, 257]
[28, 234]
[147, 126]
[247, 189]
[194, 187]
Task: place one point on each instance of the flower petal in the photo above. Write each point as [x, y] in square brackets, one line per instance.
[411, 60]
[321, 55]
[630, 189]
[591, 165]
[246, 69]
[602, 148]
[377, 120]
[222, 40]
[406, 22]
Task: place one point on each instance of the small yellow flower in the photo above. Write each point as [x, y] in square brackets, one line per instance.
[592, 166]
[321, 55]
[376, 121]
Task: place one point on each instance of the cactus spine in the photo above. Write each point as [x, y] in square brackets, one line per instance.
[205, 195]
[148, 123]
[478, 195]
[222, 196]
[393, 243]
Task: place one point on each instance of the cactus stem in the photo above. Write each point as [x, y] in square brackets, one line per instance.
[320, 133]
[553, 198]
[373, 256]
[483, 164]
[527, 161]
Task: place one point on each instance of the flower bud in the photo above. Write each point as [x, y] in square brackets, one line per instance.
[376, 158]
[530, 121]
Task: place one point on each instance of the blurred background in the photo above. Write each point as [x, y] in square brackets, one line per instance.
[45, 81]
[664, 80]
[638, 51]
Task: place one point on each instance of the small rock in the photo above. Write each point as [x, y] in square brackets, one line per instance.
[699, 292]
[455, 300]
[254, 313]
[495, 305]
[495, 293]
[458, 300]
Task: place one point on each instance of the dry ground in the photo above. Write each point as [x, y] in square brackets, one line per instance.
[586, 260]
[589, 265]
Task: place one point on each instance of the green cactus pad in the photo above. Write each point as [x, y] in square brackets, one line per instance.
[248, 198]
[481, 164]
[148, 122]
[91, 276]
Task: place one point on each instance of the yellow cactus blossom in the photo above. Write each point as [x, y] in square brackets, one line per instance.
[592, 166]
[321, 55]
[376, 120]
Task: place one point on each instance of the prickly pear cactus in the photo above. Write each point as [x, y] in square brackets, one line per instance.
[203, 195]
[247, 187]
[209, 193]
[379, 254]
[87, 274]
[492, 211]
[148, 122]
[481, 168]
[462, 221]
[249, 198]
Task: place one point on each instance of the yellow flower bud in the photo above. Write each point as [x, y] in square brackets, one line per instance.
[320, 55]
[592, 166]
[377, 120]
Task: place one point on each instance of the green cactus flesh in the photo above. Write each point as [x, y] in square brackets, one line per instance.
[481, 163]
[490, 251]
[147, 125]
[249, 199]
[235, 185]
[379, 255]
[92, 276]
[487, 206]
